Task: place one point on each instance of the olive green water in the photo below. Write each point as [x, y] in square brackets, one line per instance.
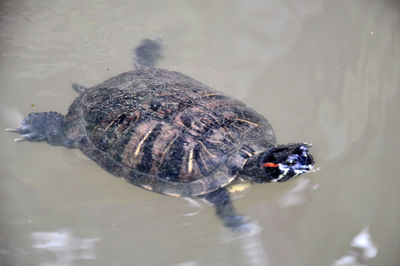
[321, 71]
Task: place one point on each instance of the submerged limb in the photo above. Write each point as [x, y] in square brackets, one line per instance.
[147, 53]
[226, 211]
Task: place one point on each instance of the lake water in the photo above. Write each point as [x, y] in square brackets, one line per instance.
[320, 71]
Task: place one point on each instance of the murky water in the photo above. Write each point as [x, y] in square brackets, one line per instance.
[321, 71]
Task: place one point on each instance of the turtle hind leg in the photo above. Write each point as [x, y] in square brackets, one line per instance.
[48, 127]
[147, 53]
[226, 211]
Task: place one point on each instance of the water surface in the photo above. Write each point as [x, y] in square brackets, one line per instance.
[321, 71]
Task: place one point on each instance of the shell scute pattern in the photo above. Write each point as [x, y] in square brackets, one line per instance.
[196, 121]
[164, 106]
[167, 132]
[108, 115]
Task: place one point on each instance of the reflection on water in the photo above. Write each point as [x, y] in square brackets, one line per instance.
[193, 203]
[65, 247]
[362, 249]
[295, 196]
[189, 263]
[253, 249]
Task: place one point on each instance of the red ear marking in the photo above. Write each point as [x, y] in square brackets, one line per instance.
[269, 165]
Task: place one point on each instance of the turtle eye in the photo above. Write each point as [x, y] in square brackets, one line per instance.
[290, 162]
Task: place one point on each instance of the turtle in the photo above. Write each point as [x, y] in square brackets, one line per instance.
[169, 133]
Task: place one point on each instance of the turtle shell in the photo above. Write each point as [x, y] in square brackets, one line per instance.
[166, 132]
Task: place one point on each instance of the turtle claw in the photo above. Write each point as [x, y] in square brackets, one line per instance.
[28, 136]
[29, 130]
[18, 131]
[309, 145]
[12, 130]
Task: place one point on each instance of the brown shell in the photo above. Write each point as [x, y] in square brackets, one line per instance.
[166, 132]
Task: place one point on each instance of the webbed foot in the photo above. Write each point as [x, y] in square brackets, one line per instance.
[46, 126]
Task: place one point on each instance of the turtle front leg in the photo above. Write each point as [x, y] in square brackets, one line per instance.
[226, 211]
[46, 127]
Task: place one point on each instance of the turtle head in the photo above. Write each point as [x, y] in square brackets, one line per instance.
[286, 161]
